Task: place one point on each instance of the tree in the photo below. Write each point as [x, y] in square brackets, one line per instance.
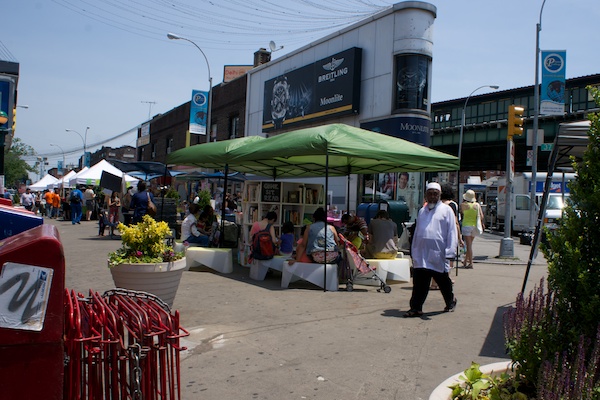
[16, 169]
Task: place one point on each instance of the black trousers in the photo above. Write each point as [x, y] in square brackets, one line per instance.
[421, 281]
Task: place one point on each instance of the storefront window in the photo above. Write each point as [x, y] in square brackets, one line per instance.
[412, 71]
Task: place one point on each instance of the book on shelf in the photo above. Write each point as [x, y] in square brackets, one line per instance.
[293, 196]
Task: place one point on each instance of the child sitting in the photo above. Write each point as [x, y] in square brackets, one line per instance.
[301, 250]
[286, 241]
[102, 222]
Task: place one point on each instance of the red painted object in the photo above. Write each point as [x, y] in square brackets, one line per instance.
[31, 362]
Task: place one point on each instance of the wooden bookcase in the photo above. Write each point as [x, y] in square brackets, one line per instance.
[292, 201]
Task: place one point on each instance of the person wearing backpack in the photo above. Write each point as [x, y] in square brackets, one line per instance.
[75, 199]
[262, 249]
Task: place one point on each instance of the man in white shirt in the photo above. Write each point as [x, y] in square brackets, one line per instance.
[434, 245]
[27, 199]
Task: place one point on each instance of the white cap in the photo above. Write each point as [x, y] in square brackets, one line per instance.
[433, 186]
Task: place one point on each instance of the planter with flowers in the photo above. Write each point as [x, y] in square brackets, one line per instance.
[145, 262]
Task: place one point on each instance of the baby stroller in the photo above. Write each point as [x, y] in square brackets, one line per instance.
[353, 264]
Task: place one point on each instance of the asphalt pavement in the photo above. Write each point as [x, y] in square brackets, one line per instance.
[254, 340]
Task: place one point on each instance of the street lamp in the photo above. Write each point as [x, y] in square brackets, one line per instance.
[173, 36]
[84, 140]
[462, 128]
[63, 154]
[536, 113]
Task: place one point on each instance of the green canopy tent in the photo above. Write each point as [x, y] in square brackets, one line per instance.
[327, 150]
[214, 155]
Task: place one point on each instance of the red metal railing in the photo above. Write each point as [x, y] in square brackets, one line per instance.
[121, 345]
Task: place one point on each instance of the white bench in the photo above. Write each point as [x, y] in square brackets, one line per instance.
[221, 260]
[259, 268]
[311, 272]
[397, 269]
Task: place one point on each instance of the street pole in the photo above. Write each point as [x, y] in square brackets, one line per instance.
[84, 161]
[462, 128]
[536, 113]
[3, 132]
[507, 246]
[63, 158]
[174, 36]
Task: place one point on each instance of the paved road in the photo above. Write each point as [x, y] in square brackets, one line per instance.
[254, 340]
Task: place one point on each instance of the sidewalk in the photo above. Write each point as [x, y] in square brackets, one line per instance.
[253, 340]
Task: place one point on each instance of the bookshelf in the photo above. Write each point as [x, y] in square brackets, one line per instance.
[292, 201]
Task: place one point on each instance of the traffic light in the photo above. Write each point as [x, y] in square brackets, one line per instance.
[515, 121]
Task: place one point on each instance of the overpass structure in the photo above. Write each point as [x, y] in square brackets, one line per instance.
[485, 130]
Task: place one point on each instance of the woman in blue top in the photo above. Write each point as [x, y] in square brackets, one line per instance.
[139, 202]
[321, 247]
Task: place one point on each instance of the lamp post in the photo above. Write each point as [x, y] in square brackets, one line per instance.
[63, 154]
[3, 132]
[84, 140]
[462, 128]
[173, 36]
[536, 113]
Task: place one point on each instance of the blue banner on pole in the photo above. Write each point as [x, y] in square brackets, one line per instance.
[552, 96]
[198, 112]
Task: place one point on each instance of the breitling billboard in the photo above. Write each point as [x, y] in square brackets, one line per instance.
[327, 87]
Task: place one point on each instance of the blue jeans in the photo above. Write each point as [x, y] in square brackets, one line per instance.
[75, 212]
[201, 240]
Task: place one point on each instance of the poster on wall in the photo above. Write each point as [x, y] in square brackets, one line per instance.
[330, 86]
[408, 190]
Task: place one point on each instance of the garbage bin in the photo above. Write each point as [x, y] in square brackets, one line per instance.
[397, 209]
[367, 211]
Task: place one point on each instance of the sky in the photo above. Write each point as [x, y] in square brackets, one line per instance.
[108, 64]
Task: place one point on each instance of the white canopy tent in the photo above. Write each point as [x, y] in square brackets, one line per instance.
[93, 175]
[64, 181]
[43, 183]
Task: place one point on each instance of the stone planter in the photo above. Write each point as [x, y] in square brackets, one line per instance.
[160, 279]
[443, 392]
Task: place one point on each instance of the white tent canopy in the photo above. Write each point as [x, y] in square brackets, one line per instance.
[64, 181]
[43, 183]
[93, 174]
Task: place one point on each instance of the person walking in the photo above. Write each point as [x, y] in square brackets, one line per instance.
[472, 219]
[55, 203]
[139, 202]
[27, 199]
[76, 201]
[90, 198]
[447, 197]
[434, 245]
[114, 203]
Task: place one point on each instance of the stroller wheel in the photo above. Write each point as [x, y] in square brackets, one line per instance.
[349, 287]
[387, 289]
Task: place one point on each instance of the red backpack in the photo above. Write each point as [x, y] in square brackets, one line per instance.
[262, 245]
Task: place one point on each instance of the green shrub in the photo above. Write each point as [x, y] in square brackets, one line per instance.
[549, 334]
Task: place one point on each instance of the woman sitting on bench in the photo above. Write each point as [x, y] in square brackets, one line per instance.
[321, 245]
[190, 231]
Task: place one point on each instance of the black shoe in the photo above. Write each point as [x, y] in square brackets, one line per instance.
[451, 307]
[413, 314]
